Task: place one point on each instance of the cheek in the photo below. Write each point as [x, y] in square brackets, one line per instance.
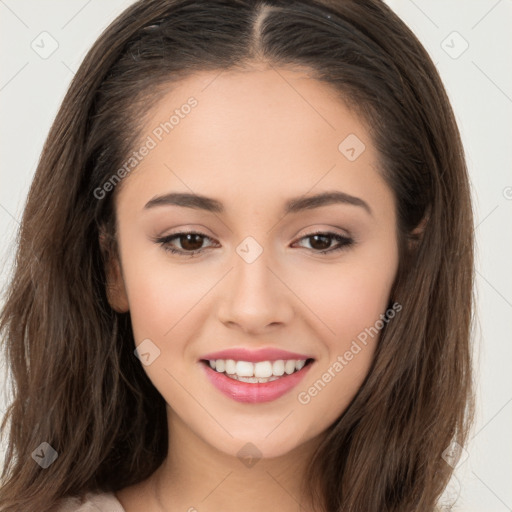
[162, 305]
[351, 308]
[351, 296]
[160, 290]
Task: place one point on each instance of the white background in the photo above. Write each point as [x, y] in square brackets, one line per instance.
[479, 84]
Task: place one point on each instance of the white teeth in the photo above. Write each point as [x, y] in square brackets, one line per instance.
[230, 366]
[243, 369]
[262, 371]
[253, 380]
[289, 366]
[278, 367]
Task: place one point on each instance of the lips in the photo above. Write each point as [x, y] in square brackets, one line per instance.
[255, 356]
[252, 392]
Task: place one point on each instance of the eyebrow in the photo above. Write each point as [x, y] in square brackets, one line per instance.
[293, 205]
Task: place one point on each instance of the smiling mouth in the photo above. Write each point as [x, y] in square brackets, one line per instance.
[257, 373]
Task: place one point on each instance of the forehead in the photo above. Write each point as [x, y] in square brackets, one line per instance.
[260, 133]
[273, 108]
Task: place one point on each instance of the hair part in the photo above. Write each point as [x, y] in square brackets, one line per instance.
[77, 384]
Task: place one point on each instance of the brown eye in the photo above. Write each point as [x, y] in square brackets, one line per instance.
[321, 242]
[191, 243]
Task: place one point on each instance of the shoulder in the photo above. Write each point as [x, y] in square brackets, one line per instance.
[93, 502]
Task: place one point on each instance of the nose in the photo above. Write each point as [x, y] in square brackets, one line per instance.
[255, 297]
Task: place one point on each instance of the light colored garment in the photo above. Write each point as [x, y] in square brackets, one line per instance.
[94, 502]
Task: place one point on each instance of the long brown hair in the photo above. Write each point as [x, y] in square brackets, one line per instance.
[76, 382]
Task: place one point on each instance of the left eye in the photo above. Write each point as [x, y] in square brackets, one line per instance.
[192, 241]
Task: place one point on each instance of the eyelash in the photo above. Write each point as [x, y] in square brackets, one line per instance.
[345, 242]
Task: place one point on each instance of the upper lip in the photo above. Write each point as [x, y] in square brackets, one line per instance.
[255, 356]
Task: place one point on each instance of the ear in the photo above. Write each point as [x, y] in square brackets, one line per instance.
[416, 234]
[115, 288]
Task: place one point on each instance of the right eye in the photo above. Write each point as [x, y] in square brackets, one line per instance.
[188, 241]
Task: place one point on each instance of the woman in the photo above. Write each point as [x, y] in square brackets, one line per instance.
[244, 274]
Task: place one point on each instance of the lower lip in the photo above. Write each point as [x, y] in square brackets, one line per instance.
[258, 392]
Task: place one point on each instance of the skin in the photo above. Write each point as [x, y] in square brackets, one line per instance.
[255, 139]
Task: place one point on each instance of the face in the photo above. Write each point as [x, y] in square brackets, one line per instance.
[275, 276]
